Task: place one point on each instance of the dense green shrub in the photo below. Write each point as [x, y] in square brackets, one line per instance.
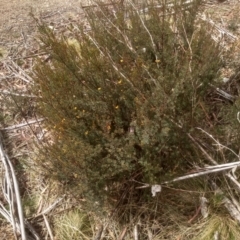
[121, 98]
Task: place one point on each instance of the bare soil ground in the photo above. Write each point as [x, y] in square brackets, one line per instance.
[16, 24]
[17, 45]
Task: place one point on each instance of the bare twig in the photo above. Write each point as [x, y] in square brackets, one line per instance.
[206, 171]
[228, 175]
[51, 207]
[221, 146]
[225, 94]
[18, 71]
[6, 92]
[124, 36]
[195, 215]
[48, 227]
[135, 232]
[149, 34]
[23, 124]
[12, 195]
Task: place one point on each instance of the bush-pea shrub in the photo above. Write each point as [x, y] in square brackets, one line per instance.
[122, 93]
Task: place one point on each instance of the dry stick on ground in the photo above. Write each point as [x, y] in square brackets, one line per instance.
[208, 156]
[48, 227]
[123, 233]
[19, 72]
[233, 210]
[50, 208]
[23, 124]
[6, 92]
[205, 171]
[12, 195]
[135, 232]
[229, 205]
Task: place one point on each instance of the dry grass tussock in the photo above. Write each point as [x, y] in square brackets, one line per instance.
[50, 213]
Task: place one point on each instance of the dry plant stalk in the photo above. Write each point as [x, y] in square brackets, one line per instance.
[12, 195]
[23, 124]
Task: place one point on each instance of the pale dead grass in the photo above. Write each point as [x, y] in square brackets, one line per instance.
[226, 16]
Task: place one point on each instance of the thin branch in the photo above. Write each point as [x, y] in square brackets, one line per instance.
[10, 183]
[50, 208]
[126, 39]
[218, 143]
[48, 227]
[19, 72]
[228, 175]
[113, 64]
[224, 94]
[6, 92]
[202, 172]
[135, 232]
[189, 47]
[148, 32]
[23, 124]
[32, 230]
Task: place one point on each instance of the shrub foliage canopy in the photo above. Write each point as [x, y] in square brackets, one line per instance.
[122, 92]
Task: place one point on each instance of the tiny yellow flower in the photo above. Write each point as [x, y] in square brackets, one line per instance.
[157, 61]
[120, 81]
[74, 96]
[121, 60]
[75, 108]
[99, 89]
[86, 133]
[117, 107]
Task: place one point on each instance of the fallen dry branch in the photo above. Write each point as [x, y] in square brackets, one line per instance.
[207, 170]
[50, 208]
[6, 92]
[23, 124]
[12, 195]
